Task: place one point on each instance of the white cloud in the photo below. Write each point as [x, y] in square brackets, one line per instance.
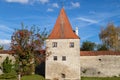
[75, 4]
[87, 20]
[50, 10]
[55, 5]
[5, 28]
[86, 37]
[44, 1]
[18, 1]
[4, 41]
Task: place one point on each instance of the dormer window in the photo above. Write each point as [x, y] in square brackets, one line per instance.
[54, 44]
[71, 45]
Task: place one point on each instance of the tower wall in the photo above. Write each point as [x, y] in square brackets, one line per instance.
[59, 69]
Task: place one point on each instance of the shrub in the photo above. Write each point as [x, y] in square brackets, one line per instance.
[7, 65]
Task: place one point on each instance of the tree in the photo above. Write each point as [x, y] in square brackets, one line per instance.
[110, 37]
[88, 46]
[7, 65]
[24, 43]
[1, 47]
[102, 47]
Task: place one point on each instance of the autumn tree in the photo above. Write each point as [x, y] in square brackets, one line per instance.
[110, 37]
[87, 46]
[25, 42]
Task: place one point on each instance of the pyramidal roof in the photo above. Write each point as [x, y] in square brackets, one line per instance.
[62, 28]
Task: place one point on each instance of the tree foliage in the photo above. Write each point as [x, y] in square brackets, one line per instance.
[110, 37]
[1, 47]
[24, 43]
[7, 65]
[102, 47]
[88, 46]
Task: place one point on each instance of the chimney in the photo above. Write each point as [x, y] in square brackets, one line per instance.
[76, 31]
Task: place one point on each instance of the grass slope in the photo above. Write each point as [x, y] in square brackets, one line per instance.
[32, 77]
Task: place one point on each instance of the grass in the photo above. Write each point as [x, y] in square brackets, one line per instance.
[38, 77]
[28, 77]
[100, 78]
[8, 76]
[33, 77]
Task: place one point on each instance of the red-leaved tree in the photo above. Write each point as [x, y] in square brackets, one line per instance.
[25, 42]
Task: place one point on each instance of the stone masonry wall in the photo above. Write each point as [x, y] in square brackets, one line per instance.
[100, 66]
[69, 69]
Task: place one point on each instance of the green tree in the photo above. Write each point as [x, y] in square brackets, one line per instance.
[1, 47]
[110, 37]
[102, 47]
[7, 65]
[88, 46]
[24, 43]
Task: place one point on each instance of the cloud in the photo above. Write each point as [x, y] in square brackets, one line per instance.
[5, 28]
[87, 20]
[75, 4]
[55, 5]
[92, 12]
[5, 43]
[18, 1]
[44, 1]
[50, 10]
[87, 37]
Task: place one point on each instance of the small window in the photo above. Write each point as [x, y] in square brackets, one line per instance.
[63, 58]
[55, 58]
[54, 44]
[62, 75]
[71, 44]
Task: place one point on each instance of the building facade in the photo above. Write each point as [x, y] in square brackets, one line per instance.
[63, 44]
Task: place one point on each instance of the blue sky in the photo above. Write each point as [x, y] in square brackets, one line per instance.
[88, 15]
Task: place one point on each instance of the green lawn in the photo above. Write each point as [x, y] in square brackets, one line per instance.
[37, 77]
[100, 78]
[33, 77]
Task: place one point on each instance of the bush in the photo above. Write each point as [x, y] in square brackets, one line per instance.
[7, 65]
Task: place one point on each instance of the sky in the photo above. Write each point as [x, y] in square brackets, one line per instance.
[88, 15]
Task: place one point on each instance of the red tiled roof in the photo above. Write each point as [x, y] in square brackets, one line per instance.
[98, 53]
[62, 28]
[6, 52]
[12, 52]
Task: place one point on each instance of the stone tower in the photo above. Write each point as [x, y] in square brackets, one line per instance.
[64, 46]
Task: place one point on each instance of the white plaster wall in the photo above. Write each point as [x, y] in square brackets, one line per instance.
[70, 67]
[100, 66]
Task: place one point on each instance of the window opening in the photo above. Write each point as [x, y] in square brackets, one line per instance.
[55, 58]
[71, 44]
[54, 44]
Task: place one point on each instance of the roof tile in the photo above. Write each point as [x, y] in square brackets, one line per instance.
[98, 53]
[62, 28]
